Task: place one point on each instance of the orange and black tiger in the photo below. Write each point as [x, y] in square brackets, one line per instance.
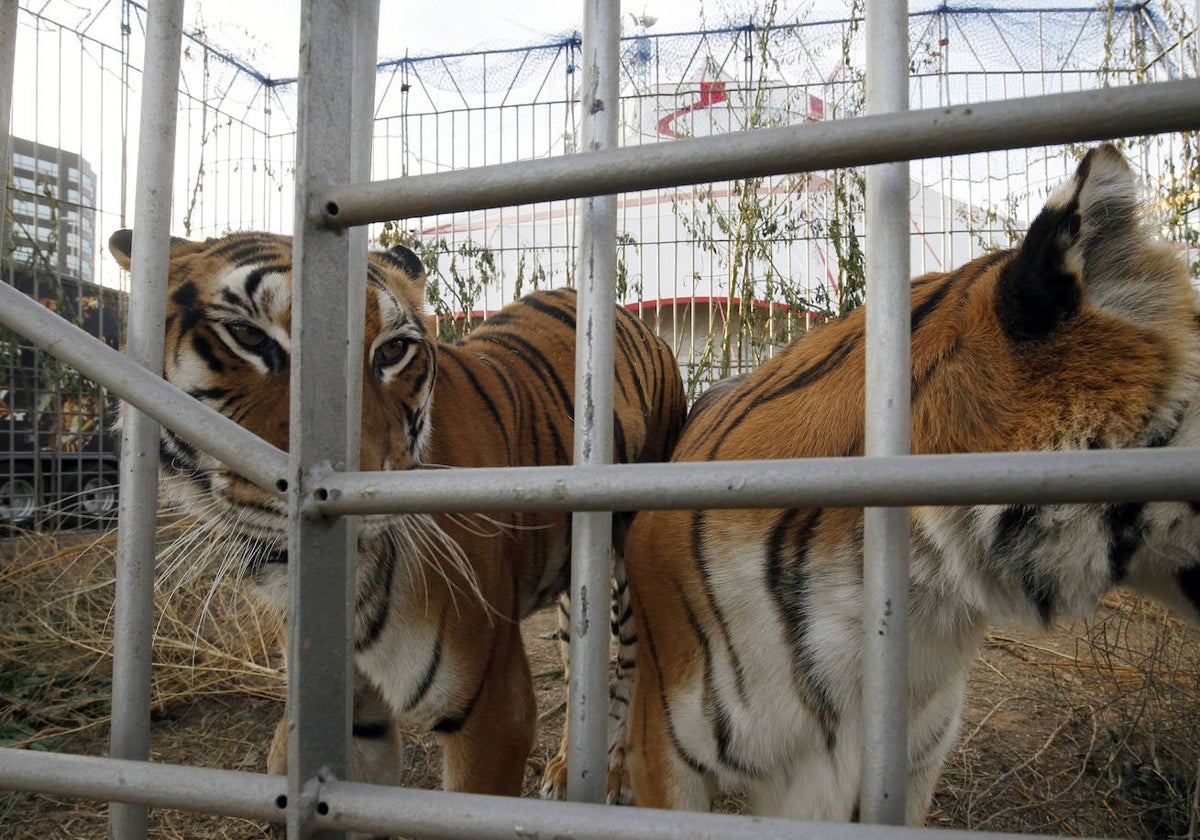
[437, 642]
[750, 621]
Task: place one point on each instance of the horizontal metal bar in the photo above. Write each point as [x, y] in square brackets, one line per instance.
[413, 813]
[910, 135]
[205, 427]
[435, 814]
[228, 792]
[1122, 475]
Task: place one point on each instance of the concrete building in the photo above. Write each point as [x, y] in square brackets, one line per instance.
[51, 219]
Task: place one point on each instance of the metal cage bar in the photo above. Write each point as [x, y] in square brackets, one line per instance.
[414, 813]
[133, 619]
[883, 138]
[8, 58]
[321, 553]
[591, 532]
[1123, 475]
[886, 531]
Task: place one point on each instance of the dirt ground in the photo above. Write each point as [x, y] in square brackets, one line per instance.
[1091, 731]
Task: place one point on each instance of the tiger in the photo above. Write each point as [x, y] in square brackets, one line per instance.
[437, 641]
[749, 622]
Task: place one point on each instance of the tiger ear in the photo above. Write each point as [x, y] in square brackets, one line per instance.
[1078, 243]
[120, 245]
[407, 261]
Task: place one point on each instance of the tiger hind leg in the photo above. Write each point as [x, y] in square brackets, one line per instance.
[660, 776]
[554, 780]
[486, 752]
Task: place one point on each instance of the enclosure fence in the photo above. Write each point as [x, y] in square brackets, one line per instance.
[334, 195]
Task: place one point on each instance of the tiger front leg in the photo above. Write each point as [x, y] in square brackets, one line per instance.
[660, 775]
[554, 779]
[376, 750]
[486, 751]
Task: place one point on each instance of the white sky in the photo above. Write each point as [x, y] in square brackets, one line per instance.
[268, 37]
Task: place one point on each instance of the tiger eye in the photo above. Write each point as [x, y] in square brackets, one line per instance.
[391, 351]
[247, 335]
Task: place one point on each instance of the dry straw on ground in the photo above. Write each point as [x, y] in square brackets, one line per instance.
[1094, 730]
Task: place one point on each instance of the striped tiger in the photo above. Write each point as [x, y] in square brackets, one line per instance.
[750, 621]
[437, 643]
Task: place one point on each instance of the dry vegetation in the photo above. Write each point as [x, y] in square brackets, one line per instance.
[1091, 731]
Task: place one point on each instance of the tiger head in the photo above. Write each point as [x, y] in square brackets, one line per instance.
[228, 344]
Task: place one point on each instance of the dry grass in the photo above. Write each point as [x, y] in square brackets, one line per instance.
[1091, 731]
[216, 680]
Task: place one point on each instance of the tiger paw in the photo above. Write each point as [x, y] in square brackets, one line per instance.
[620, 790]
[554, 780]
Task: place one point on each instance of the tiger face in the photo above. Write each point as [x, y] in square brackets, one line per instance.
[228, 344]
[1084, 336]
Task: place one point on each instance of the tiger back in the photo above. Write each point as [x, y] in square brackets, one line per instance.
[750, 621]
[439, 599]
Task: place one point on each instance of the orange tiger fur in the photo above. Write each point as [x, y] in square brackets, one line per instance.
[438, 641]
[749, 621]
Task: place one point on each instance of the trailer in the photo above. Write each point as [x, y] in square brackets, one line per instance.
[58, 447]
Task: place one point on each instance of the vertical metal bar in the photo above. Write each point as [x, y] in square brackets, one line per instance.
[366, 40]
[362, 123]
[886, 530]
[1196, 39]
[133, 626]
[8, 58]
[591, 542]
[320, 553]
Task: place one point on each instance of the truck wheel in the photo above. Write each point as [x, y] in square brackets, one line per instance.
[18, 501]
[98, 497]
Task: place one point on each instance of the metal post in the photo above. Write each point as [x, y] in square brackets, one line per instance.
[886, 535]
[320, 553]
[876, 138]
[366, 40]
[133, 626]
[591, 534]
[8, 58]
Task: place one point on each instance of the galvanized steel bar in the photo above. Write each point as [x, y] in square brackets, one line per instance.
[412, 813]
[883, 138]
[1122, 475]
[366, 40]
[133, 620]
[8, 58]
[886, 531]
[229, 792]
[591, 532]
[205, 427]
[320, 552]
[436, 815]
